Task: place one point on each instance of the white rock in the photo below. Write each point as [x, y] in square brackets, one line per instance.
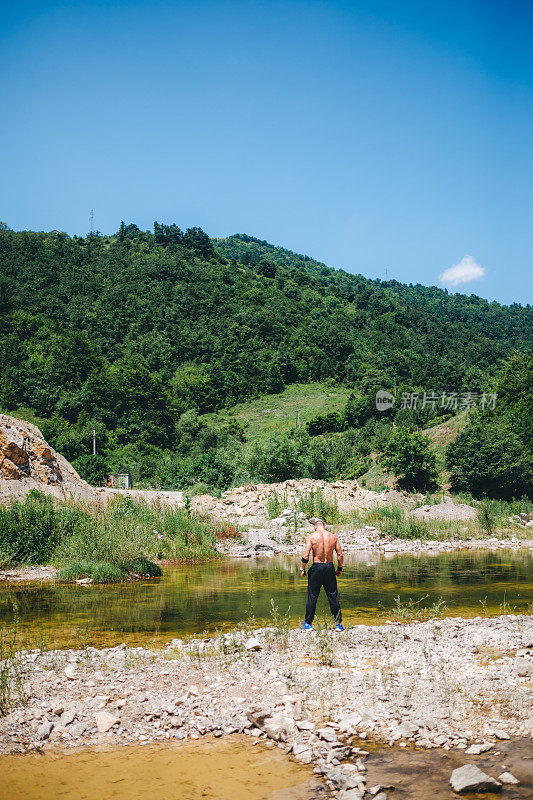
[305, 725]
[500, 734]
[477, 749]
[68, 716]
[278, 727]
[44, 730]
[105, 721]
[327, 734]
[252, 644]
[509, 778]
[470, 778]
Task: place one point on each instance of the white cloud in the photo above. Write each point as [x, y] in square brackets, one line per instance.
[465, 271]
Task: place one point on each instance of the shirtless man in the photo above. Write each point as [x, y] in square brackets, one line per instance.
[322, 544]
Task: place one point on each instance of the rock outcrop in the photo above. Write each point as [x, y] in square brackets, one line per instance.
[28, 462]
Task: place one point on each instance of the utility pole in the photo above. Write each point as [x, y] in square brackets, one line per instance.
[94, 442]
[91, 220]
[298, 419]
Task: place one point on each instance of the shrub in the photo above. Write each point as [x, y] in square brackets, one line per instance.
[104, 572]
[408, 456]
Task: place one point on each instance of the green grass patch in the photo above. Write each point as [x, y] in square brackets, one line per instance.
[104, 572]
[98, 571]
[274, 414]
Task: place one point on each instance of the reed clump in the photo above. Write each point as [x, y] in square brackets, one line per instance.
[108, 543]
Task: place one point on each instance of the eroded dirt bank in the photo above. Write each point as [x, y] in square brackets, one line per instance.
[461, 685]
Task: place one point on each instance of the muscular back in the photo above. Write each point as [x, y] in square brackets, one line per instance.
[322, 544]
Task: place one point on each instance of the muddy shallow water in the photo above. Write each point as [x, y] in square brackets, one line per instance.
[420, 774]
[235, 769]
[217, 595]
[213, 770]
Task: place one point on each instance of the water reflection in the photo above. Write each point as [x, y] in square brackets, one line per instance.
[190, 599]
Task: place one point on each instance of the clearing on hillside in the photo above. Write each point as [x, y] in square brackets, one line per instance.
[272, 414]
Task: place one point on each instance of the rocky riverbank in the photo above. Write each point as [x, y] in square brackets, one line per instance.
[455, 684]
[263, 542]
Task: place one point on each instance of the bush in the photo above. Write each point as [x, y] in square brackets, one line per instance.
[278, 459]
[93, 469]
[188, 537]
[104, 572]
[117, 535]
[325, 423]
[408, 456]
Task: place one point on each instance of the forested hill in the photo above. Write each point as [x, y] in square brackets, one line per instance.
[130, 330]
[512, 323]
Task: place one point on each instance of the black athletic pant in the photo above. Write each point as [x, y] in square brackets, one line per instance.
[322, 575]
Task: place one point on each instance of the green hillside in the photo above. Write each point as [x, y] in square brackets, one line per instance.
[145, 335]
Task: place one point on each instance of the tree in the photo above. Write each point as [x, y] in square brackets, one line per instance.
[489, 460]
[359, 410]
[267, 268]
[325, 423]
[408, 457]
[493, 454]
[93, 469]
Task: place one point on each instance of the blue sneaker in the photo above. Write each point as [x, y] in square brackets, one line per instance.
[338, 627]
[305, 626]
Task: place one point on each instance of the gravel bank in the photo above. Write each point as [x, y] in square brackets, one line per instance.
[451, 683]
[266, 542]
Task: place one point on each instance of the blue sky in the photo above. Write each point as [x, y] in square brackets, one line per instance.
[371, 135]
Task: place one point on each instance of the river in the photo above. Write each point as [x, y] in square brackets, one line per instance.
[217, 595]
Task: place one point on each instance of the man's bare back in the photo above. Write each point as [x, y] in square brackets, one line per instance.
[322, 543]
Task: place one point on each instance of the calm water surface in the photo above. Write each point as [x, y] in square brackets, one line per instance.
[219, 595]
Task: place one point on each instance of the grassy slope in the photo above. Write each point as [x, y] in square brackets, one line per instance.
[440, 437]
[276, 413]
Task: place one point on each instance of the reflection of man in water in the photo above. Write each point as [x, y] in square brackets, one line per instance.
[322, 544]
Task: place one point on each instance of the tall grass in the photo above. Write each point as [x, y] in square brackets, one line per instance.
[392, 520]
[31, 530]
[314, 504]
[487, 517]
[275, 506]
[11, 669]
[106, 543]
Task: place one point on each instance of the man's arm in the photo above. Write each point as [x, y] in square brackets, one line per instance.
[307, 552]
[340, 556]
